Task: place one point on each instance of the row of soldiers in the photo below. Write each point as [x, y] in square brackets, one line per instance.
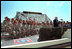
[21, 28]
[18, 28]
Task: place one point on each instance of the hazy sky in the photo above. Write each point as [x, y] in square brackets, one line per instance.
[61, 9]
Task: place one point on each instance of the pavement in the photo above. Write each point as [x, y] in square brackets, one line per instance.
[34, 38]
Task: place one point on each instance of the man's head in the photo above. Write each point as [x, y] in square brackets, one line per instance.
[56, 17]
[67, 21]
[6, 18]
[12, 19]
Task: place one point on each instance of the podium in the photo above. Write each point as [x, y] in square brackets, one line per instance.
[51, 33]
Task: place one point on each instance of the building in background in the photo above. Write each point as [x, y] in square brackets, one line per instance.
[25, 15]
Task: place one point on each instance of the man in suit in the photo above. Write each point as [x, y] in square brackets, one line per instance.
[55, 22]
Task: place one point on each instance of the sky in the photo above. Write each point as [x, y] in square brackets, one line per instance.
[60, 9]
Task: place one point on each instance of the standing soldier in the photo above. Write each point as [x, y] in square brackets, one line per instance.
[12, 23]
[7, 20]
[43, 24]
[24, 27]
[23, 23]
[36, 30]
[51, 24]
[27, 24]
[14, 30]
[33, 27]
[9, 26]
[9, 29]
[47, 23]
[19, 26]
[33, 24]
[30, 22]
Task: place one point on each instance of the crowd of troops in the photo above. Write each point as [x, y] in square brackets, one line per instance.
[21, 28]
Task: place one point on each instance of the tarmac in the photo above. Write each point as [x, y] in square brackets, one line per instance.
[34, 38]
